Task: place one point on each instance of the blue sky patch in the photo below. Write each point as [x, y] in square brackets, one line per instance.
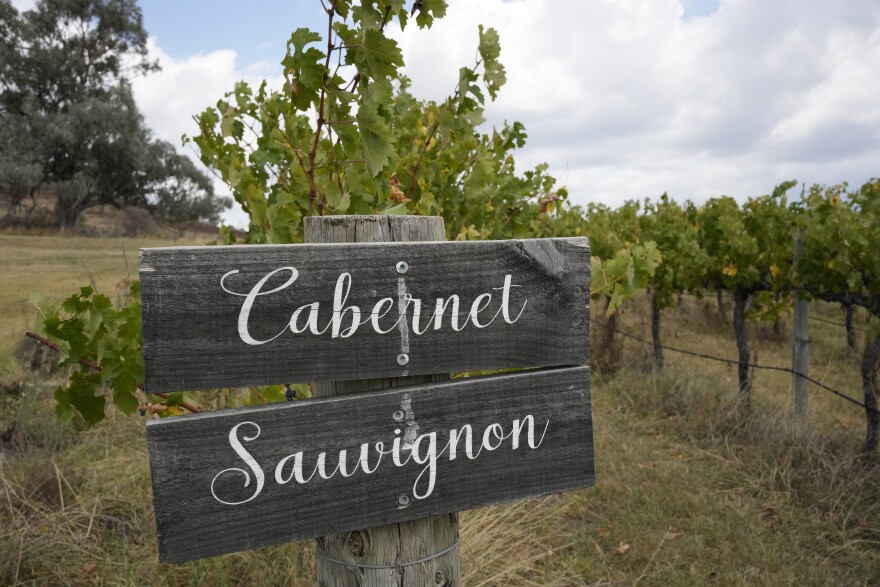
[258, 30]
[693, 8]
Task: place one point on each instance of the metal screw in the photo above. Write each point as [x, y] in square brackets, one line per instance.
[398, 415]
[402, 267]
[403, 500]
[402, 359]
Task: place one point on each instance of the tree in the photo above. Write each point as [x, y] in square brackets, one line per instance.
[69, 120]
[20, 175]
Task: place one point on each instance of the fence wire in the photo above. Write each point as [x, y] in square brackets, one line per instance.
[833, 323]
[819, 384]
[811, 316]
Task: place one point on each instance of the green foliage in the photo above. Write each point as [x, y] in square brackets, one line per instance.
[625, 274]
[749, 249]
[77, 403]
[610, 229]
[727, 243]
[345, 136]
[88, 329]
[175, 189]
[839, 232]
[68, 121]
[621, 265]
[301, 150]
[668, 224]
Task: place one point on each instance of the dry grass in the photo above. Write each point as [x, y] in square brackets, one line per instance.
[689, 492]
[533, 546]
[686, 494]
[84, 516]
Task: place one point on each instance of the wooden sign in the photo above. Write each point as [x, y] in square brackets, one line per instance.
[240, 479]
[257, 315]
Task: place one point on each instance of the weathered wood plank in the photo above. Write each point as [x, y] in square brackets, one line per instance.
[521, 303]
[200, 461]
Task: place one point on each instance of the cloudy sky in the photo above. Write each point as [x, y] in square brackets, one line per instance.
[623, 98]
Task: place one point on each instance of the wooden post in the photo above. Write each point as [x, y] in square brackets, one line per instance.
[396, 543]
[800, 353]
[800, 346]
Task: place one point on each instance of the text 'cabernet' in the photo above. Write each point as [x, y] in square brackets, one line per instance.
[345, 319]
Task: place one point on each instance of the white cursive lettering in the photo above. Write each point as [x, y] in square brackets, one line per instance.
[423, 452]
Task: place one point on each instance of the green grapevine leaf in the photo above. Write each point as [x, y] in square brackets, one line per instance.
[377, 56]
[428, 11]
[376, 139]
[490, 50]
[305, 66]
[79, 399]
[398, 209]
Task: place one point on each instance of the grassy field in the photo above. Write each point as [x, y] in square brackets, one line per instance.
[689, 491]
[55, 267]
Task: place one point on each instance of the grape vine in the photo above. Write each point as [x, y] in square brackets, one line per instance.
[345, 135]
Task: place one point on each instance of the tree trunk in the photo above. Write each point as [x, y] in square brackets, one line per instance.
[722, 311]
[778, 330]
[655, 332]
[778, 324]
[870, 358]
[67, 216]
[739, 327]
[391, 545]
[609, 356]
[848, 311]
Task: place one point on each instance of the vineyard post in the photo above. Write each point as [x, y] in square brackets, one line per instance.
[405, 541]
[870, 359]
[800, 352]
[800, 346]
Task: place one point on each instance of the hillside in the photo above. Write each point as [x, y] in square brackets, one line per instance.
[36, 216]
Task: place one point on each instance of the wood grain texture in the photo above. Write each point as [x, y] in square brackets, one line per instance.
[192, 459]
[407, 540]
[192, 338]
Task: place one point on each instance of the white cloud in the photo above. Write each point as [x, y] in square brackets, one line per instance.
[183, 88]
[24, 5]
[627, 99]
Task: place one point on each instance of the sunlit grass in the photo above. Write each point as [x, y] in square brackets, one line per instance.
[56, 267]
